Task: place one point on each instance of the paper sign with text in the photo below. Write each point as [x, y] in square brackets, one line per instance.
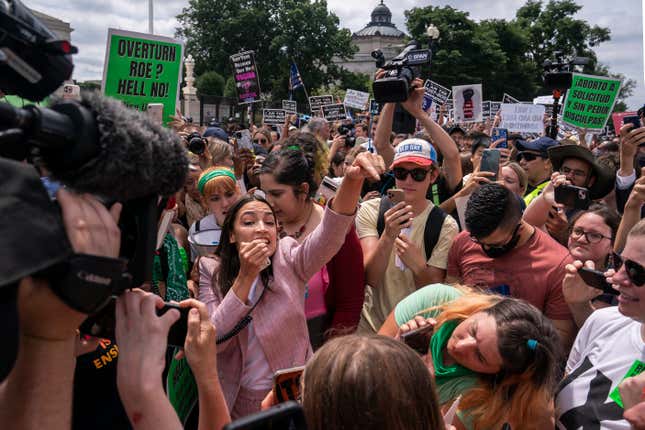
[522, 118]
[273, 116]
[590, 101]
[290, 106]
[316, 102]
[143, 68]
[486, 109]
[247, 80]
[437, 93]
[334, 112]
[468, 103]
[356, 99]
[509, 99]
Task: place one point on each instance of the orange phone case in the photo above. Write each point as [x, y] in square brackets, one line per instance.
[286, 383]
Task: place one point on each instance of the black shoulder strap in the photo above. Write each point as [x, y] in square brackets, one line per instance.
[197, 225]
[433, 226]
[380, 222]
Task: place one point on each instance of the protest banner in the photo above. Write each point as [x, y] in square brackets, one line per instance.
[356, 99]
[468, 103]
[427, 102]
[438, 94]
[590, 101]
[273, 116]
[334, 112]
[449, 104]
[316, 102]
[290, 106]
[495, 107]
[486, 109]
[143, 68]
[247, 80]
[181, 388]
[509, 99]
[522, 118]
[617, 119]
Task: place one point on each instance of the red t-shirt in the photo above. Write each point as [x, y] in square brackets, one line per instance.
[533, 271]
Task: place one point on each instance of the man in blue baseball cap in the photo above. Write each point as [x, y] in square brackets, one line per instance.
[533, 156]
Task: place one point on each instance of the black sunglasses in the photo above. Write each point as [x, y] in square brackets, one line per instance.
[635, 272]
[528, 156]
[417, 174]
[259, 140]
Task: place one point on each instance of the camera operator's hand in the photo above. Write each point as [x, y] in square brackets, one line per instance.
[91, 228]
[200, 347]
[415, 100]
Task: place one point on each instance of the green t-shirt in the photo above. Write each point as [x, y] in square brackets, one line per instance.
[428, 297]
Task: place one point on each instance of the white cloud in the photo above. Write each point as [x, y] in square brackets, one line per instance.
[91, 19]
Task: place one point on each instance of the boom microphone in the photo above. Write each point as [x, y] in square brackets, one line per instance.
[99, 146]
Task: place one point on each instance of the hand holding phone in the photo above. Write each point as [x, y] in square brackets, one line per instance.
[490, 162]
[634, 120]
[572, 196]
[597, 279]
[500, 133]
[286, 383]
[419, 339]
[395, 196]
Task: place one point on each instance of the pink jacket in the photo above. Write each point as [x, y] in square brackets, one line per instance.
[279, 319]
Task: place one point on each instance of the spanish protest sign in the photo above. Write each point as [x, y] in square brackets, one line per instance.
[247, 81]
[143, 68]
[273, 116]
[523, 117]
[334, 112]
[356, 99]
[590, 101]
[290, 106]
[468, 102]
[316, 102]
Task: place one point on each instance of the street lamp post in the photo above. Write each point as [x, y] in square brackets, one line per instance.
[150, 16]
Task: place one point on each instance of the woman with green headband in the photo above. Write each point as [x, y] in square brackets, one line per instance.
[500, 354]
[219, 190]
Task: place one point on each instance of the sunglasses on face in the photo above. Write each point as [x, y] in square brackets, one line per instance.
[259, 141]
[528, 156]
[417, 174]
[635, 272]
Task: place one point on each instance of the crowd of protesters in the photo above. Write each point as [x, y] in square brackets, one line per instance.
[307, 250]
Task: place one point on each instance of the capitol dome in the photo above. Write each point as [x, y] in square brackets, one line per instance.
[381, 24]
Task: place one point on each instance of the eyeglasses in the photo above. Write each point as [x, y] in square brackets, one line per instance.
[258, 141]
[575, 172]
[635, 272]
[528, 156]
[591, 237]
[496, 245]
[417, 174]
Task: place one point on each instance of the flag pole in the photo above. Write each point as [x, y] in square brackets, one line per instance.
[304, 87]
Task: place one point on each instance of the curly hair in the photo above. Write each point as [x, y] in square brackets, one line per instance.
[490, 207]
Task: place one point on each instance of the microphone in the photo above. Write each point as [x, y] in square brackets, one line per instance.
[100, 146]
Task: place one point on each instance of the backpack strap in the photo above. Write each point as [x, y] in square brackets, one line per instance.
[432, 229]
[197, 229]
[382, 208]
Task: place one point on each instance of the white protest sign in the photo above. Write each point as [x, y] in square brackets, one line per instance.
[316, 102]
[334, 112]
[290, 106]
[522, 118]
[468, 103]
[356, 99]
[543, 100]
[273, 116]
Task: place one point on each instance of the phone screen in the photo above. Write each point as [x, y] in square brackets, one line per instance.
[500, 133]
[419, 339]
[490, 162]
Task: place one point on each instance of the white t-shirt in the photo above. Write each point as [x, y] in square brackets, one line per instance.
[605, 349]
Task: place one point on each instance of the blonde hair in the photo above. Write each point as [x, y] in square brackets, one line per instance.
[219, 150]
[521, 175]
[219, 184]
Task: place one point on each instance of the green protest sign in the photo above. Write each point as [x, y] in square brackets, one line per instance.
[590, 101]
[143, 68]
[181, 388]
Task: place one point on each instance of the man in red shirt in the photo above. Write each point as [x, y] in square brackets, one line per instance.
[501, 252]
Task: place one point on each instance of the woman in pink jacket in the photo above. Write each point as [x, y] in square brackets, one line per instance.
[256, 275]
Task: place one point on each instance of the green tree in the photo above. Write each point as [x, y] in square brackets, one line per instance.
[210, 83]
[229, 88]
[216, 29]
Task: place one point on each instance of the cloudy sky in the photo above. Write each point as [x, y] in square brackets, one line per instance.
[90, 20]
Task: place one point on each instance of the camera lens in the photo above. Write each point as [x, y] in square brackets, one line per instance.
[196, 145]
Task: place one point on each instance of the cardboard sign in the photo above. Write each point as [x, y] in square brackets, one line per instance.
[590, 101]
[495, 107]
[316, 102]
[334, 112]
[509, 99]
[468, 103]
[486, 109]
[356, 99]
[617, 119]
[291, 106]
[437, 93]
[427, 102]
[247, 81]
[522, 118]
[143, 68]
[273, 116]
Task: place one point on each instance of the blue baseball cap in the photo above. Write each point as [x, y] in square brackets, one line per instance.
[217, 133]
[541, 145]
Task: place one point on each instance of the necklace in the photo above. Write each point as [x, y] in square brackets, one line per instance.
[282, 232]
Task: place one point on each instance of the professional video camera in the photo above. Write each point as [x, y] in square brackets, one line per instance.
[557, 73]
[348, 131]
[400, 72]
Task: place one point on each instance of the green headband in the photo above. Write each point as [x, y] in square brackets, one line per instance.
[213, 174]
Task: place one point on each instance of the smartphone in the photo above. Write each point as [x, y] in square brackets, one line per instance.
[596, 279]
[395, 196]
[244, 140]
[72, 92]
[419, 339]
[500, 133]
[328, 188]
[572, 196]
[490, 162]
[635, 120]
[155, 112]
[286, 383]
[102, 324]
[288, 415]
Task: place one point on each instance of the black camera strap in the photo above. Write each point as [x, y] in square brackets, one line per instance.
[241, 324]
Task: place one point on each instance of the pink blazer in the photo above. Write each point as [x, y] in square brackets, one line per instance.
[279, 319]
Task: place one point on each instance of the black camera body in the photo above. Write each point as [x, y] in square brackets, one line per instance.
[400, 71]
[557, 73]
[348, 131]
[196, 143]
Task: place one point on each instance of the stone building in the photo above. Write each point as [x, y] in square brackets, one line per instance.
[379, 33]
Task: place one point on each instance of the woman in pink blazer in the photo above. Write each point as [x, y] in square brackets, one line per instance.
[258, 275]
